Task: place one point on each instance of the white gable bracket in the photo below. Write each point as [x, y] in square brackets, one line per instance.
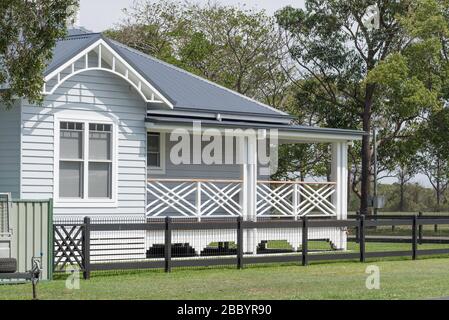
[109, 61]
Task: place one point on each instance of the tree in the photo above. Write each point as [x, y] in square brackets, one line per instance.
[434, 153]
[29, 30]
[236, 47]
[358, 76]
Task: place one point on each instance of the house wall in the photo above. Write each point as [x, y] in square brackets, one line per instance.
[93, 94]
[10, 150]
[200, 171]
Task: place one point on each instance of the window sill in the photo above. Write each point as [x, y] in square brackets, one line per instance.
[156, 171]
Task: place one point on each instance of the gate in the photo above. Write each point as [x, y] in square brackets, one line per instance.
[70, 247]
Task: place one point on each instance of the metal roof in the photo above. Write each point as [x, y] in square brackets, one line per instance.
[246, 124]
[185, 90]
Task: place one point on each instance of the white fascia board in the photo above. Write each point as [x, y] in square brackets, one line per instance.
[291, 136]
[223, 115]
[311, 137]
[103, 43]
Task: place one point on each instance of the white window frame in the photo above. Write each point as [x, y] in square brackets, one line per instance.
[86, 201]
[161, 169]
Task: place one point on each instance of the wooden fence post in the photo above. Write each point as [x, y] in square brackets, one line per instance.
[414, 237]
[305, 248]
[86, 248]
[168, 228]
[239, 242]
[357, 229]
[420, 229]
[362, 237]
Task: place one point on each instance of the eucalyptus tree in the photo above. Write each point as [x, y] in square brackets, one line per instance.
[433, 155]
[28, 33]
[237, 47]
[360, 69]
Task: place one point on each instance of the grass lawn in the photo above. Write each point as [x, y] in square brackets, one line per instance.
[403, 279]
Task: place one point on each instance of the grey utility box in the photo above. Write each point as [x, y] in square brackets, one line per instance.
[377, 202]
[5, 231]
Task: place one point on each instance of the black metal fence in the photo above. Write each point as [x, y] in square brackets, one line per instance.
[80, 242]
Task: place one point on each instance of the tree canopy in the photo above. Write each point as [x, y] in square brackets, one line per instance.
[353, 75]
[239, 48]
[29, 30]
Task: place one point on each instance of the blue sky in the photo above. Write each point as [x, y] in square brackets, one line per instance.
[97, 15]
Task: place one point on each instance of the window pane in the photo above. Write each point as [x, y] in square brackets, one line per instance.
[153, 159]
[100, 145]
[70, 179]
[71, 144]
[99, 180]
[153, 142]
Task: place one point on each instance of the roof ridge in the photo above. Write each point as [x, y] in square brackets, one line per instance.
[194, 75]
[79, 36]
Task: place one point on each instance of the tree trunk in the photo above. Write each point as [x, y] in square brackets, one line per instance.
[366, 150]
[438, 185]
[401, 196]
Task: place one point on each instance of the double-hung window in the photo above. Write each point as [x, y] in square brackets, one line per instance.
[85, 160]
[155, 152]
[71, 160]
[100, 160]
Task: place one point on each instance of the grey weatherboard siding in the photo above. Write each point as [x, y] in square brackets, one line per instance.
[94, 92]
[10, 150]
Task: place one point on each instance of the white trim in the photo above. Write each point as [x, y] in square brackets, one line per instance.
[21, 148]
[213, 115]
[293, 136]
[161, 169]
[101, 45]
[86, 202]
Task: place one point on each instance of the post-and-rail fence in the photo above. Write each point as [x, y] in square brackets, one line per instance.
[73, 246]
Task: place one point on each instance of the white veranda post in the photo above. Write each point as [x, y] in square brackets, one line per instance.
[339, 173]
[249, 196]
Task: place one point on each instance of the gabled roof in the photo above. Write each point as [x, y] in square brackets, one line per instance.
[184, 90]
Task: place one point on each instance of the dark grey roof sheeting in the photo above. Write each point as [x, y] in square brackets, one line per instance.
[243, 124]
[187, 90]
[68, 48]
[182, 88]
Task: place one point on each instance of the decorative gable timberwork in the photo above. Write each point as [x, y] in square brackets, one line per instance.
[100, 56]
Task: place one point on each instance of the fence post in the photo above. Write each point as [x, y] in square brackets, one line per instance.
[86, 248]
[362, 237]
[357, 229]
[239, 242]
[414, 237]
[51, 240]
[305, 248]
[420, 229]
[167, 250]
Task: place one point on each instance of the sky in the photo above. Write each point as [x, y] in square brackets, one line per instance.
[98, 15]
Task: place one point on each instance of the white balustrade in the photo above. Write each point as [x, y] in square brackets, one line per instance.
[193, 198]
[293, 198]
[197, 198]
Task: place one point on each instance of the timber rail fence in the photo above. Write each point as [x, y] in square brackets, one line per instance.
[77, 242]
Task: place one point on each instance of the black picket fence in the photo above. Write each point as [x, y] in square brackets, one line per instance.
[112, 245]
